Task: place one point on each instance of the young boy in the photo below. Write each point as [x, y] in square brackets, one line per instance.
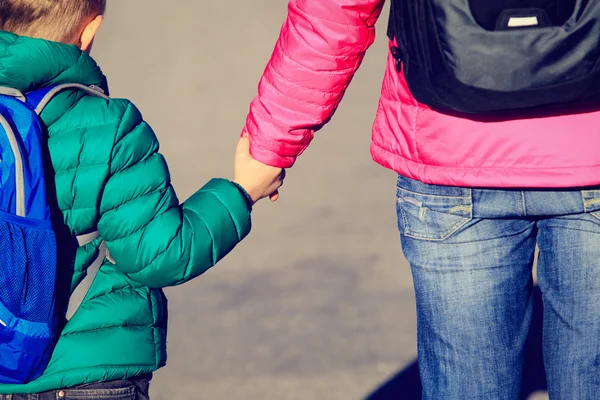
[110, 178]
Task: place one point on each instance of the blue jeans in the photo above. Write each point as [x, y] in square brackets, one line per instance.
[471, 253]
[133, 389]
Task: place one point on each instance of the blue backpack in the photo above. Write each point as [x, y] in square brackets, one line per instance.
[29, 316]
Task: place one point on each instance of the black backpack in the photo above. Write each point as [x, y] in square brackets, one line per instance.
[485, 57]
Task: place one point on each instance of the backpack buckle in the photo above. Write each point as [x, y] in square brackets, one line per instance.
[397, 57]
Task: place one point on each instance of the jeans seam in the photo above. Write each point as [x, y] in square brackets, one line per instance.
[583, 201]
[445, 235]
[595, 215]
[410, 200]
[437, 196]
[119, 391]
[404, 224]
[519, 203]
[523, 203]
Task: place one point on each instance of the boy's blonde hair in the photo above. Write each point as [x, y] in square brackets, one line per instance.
[57, 20]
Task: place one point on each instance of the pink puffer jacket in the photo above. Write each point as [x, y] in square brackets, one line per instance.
[321, 45]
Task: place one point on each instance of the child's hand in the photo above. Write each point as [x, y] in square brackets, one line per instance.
[258, 179]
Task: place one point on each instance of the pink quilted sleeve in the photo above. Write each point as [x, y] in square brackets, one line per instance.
[320, 47]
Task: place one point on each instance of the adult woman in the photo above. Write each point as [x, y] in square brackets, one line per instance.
[469, 229]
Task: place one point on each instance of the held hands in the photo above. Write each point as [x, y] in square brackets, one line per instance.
[258, 179]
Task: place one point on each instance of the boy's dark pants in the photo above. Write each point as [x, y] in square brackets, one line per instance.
[133, 389]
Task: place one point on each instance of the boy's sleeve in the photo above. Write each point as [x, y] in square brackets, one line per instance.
[320, 47]
[151, 237]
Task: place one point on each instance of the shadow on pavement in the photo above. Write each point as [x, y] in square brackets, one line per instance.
[406, 385]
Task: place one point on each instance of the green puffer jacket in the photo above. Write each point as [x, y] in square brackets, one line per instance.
[110, 177]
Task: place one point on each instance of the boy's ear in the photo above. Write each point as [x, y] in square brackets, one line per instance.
[89, 33]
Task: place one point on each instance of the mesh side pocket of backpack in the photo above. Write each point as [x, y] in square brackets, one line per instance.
[27, 271]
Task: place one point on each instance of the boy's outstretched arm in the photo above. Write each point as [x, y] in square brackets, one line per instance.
[151, 237]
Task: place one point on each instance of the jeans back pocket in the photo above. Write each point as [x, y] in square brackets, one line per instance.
[591, 202]
[432, 212]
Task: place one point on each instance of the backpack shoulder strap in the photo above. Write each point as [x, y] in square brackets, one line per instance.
[83, 287]
[39, 99]
[15, 149]
[12, 92]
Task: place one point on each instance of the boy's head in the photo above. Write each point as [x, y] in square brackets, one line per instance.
[67, 21]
